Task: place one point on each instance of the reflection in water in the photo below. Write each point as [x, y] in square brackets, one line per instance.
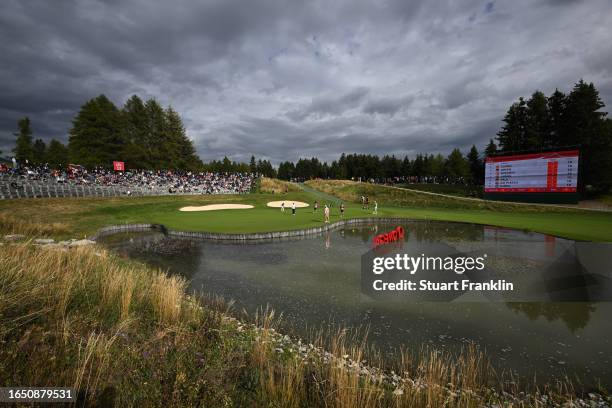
[575, 315]
[316, 280]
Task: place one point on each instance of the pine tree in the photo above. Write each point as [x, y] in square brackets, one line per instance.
[512, 136]
[436, 165]
[285, 170]
[417, 167]
[603, 181]
[156, 139]
[457, 167]
[23, 145]
[57, 154]
[491, 148]
[39, 150]
[537, 132]
[135, 152]
[96, 136]
[557, 105]
[476, 167]
[587, 126]
[427, 160]
[406, 167]
[179, 148]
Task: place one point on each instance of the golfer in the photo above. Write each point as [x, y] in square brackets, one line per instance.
[293, 209]
[341, 209]
[316, 206]
[283, 206]
[375, 207]
[326, 212]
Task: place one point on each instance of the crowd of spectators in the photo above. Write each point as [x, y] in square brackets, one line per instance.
[160, 180]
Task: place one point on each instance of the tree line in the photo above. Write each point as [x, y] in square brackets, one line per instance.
[38, 152]
[263, 167]
[454, 168]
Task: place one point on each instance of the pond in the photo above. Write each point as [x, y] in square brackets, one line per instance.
[316, 280]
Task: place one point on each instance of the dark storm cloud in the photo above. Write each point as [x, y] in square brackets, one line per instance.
[386, 106]
[325, 105]
[282, 80]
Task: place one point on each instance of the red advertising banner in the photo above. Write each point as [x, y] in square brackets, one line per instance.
[119, 166]
[550, 172]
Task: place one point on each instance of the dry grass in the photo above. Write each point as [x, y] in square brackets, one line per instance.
[87, 298]
[166, 297]
[343, 372]
[276, 186]
[61, 279]
[13, 225]
[339, 378]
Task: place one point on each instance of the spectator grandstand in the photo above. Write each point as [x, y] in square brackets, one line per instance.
[76, 181]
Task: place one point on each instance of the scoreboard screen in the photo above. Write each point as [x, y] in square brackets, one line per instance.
[550, 172]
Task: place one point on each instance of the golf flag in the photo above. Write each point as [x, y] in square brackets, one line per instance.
[119, 166]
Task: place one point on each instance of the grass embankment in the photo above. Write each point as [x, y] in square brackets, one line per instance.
[123, 334]
[276, 186]
[450, 189]
[606, 199]
[554, 220]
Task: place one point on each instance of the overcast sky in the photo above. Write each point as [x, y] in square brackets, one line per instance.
[311, 78]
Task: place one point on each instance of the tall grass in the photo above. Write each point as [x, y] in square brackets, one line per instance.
[276, 186]
[78, 304]
[339, 377]
[12, 225]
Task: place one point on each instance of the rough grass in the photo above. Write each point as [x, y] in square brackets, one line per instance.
[606, 199]
[450, 189]
[10, 224]
[114, 330]
[399, 197]
[276, 186]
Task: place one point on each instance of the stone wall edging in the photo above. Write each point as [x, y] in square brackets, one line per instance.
[115, 229]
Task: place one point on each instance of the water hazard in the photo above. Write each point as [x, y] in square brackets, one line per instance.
[316, 280]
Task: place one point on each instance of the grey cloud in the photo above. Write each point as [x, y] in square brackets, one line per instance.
[330, 104]
[287, 79]
[386, 106]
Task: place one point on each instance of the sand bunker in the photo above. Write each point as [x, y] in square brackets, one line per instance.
[288, 203]
[213, 207]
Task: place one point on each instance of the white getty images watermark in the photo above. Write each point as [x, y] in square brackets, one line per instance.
[413, 264]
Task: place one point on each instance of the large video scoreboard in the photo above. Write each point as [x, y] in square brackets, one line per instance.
[534, 177]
